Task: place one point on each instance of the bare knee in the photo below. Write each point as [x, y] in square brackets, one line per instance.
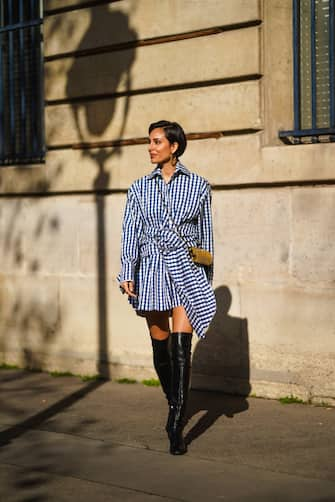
[180, 321]
[158, 324]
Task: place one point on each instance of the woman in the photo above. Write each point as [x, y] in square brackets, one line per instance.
[168, 211]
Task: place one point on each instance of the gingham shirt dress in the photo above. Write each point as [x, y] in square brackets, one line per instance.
[161, 221]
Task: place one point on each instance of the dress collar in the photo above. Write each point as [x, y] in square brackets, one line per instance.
[180, 169]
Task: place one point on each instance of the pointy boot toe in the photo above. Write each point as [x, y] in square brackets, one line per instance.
[177, 444]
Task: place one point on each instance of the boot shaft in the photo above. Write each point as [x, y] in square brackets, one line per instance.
[162, 364]
[181, 371]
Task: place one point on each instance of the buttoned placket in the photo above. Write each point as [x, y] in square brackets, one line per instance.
[167, 206]
[160, 233]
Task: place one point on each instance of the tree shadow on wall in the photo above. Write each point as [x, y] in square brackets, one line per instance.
[220, 362]
[29, 302]
[93, 117]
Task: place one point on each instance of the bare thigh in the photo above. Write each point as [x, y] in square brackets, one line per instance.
[158, 324]
[180, 321]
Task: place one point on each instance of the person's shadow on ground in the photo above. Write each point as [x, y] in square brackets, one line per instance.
[220, 362]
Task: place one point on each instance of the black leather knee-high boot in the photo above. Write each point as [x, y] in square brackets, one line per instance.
[181, 371]
[162, 364]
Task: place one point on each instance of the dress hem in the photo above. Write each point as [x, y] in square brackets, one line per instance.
[143, 313]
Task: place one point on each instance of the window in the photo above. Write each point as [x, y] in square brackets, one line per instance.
[21, 82]
[314, 71]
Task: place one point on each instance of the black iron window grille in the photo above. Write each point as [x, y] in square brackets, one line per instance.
[314, 72]
[21, 83]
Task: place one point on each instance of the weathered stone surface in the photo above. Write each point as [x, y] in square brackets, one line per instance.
[307, 162]
[60, 303]
[225, 161]
[80, 317]
[12, 242]
[189, 61]
[56, 4]
[278, 69]
[52, 235]
[221, 107]
[30, 320]
[291, 337]
[128, 21]
[88, 237]
[251, 235]
[17, 179]
[313, 235]
[291, 320]
[263, 333]
[222, 359]
[39, 236]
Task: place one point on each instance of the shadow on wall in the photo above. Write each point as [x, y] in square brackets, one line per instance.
[93, 116]
[29, 306]
[92, 119]
[220, 362]
[223, 357]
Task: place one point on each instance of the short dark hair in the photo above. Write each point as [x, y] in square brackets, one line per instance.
[173, 132]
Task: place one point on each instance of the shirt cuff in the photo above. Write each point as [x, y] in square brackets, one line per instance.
[127, 272]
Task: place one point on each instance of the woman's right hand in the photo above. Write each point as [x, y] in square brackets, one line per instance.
[129, 288]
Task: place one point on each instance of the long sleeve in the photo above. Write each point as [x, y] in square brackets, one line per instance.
[129, 242]
[205, 229]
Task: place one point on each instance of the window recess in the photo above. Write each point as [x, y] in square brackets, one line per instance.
[314, 72]
[21, 83]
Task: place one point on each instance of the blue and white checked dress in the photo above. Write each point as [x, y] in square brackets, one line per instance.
[155, 257]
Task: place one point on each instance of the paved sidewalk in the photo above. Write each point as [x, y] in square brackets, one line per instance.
[62, 439]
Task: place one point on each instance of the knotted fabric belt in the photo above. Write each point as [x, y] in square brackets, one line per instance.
[164, 242]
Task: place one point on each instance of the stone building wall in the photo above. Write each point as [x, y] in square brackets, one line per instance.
[225, 73]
